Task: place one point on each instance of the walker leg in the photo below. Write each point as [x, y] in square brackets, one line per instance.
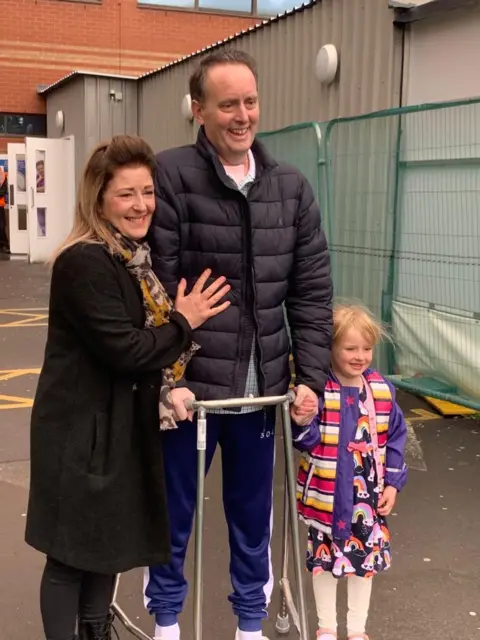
[292, 503]
[198, 578]
[116, 584]
[122, 616]
[282, 625]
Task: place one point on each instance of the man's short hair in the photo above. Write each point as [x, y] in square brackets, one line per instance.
[230, 56]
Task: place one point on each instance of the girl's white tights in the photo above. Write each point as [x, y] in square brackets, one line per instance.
[359, 593]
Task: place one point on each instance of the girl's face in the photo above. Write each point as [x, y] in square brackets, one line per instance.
[352, 354]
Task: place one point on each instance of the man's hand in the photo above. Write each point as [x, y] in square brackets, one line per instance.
[387, 500]
[179, 396]
[305, 407]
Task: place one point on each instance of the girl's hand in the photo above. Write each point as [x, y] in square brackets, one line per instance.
[386, 501]
[305, 406]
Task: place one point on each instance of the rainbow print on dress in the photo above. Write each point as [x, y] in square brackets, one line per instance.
[342, 567]
[365, 511]
[360, 486]
[353, 544]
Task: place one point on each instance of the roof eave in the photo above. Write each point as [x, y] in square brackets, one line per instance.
[430, 10]
[43, 90]
[236, 36]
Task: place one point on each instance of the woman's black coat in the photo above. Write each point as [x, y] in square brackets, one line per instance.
[97, 495]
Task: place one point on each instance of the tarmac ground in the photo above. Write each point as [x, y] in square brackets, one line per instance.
[431, 592]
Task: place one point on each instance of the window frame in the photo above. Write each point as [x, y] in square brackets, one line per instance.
[83, 1]
[253, 13]
[16, 136]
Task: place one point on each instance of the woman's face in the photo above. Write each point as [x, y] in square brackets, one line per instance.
[129, 201]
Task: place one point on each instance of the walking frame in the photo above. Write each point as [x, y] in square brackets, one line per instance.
[288, 609]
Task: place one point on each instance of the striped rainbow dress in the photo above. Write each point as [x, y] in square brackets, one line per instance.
[367, 550]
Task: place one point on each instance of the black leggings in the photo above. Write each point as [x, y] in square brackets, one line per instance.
[66, 593]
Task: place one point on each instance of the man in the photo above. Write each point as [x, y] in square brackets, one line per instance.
[226, 204]
[3, 216]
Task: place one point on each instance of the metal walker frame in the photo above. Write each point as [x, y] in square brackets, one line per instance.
[287, 608]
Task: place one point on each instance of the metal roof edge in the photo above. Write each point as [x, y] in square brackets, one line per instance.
[44, 89]
[236, 36]
[430, 9]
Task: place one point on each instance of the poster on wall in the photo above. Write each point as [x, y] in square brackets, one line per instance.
[41, 222]
[21, 179]
[4, 164]
[40, 166]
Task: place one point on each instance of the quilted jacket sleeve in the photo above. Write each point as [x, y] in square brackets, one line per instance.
[309, 301]
[164, 234]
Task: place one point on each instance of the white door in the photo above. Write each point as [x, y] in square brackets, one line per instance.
[17, 200]
[51, 193]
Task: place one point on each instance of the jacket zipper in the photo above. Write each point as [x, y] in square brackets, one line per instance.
[254, 293]
[308, 480]
[242, 324]
[262, 386]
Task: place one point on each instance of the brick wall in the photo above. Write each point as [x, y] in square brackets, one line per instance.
[4, 142]
[43, 40]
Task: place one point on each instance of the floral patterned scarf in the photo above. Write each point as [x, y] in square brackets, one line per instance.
[157, 306]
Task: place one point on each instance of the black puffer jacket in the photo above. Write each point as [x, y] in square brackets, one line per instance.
[270, 247]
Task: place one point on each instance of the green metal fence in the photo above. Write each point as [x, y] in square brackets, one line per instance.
[400, 197]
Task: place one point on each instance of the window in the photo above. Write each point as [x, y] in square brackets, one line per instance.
[242, 6]
[22, 124]
[267, 8]
[180, 4]
[274, 7]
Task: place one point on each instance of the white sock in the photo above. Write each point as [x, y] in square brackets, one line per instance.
[167, 633]
[248, 635]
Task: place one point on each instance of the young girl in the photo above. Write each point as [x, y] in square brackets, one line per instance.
[344, 489]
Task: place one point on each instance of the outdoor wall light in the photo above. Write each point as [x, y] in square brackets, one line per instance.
[60, 120]
[326, 64]
[186, 107]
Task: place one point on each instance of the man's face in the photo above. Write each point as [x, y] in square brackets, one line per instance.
[230, 111]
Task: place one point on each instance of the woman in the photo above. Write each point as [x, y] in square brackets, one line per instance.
[115, 342]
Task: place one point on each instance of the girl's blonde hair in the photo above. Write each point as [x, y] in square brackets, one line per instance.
[89, 226]
[346, 316]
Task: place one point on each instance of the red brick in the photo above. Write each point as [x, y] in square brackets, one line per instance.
[47, 39]
[3, 144]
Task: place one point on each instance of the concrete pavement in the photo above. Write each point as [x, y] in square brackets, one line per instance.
[431, 592]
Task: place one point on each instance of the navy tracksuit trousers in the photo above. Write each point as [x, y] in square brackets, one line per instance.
[247, 446]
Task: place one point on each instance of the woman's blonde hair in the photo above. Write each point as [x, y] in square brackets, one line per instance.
[346, 316]
[105, 160]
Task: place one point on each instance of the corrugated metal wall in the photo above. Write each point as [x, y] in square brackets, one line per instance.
[105, 116]
[368, 79]
[71, 100]
[91, 115]
[442, 57]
